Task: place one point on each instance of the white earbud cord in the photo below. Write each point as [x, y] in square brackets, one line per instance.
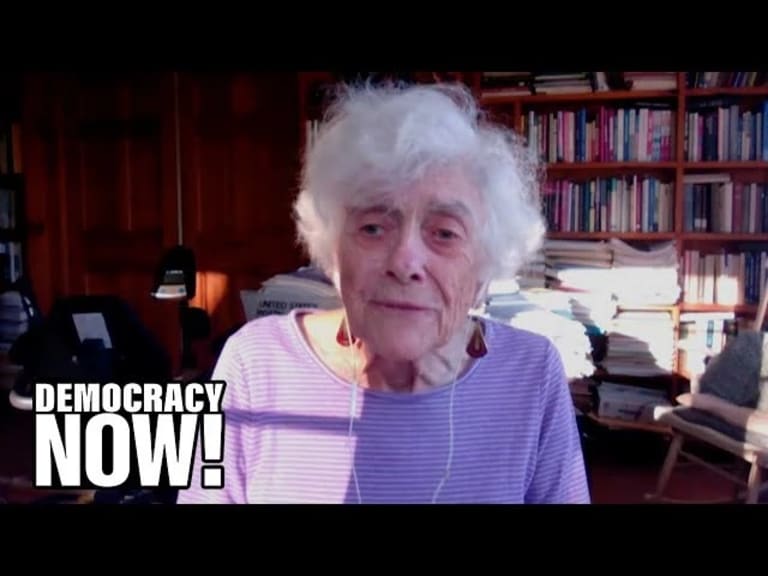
[353, 411]
[449, 461]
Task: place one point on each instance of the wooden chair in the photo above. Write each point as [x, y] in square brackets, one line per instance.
[756, 457]
[690, 425]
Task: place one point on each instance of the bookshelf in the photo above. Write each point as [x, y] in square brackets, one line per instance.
[649, 160]
[13, 227]
[12, 209]
[693, 151]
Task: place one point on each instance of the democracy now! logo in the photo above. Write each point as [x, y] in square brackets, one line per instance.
[136, 435]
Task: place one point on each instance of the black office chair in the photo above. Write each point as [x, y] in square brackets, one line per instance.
[91, 338]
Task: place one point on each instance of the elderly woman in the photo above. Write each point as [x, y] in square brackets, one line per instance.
[411, 203]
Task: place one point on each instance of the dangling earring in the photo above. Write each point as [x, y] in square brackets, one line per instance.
[476, 346]
[342, 336]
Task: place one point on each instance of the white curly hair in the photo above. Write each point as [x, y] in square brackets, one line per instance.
[379, 137]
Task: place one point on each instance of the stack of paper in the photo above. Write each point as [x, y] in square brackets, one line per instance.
[303, 288]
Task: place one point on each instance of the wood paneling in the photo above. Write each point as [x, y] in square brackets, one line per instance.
[39, 153]
[239, 151]
[101, 178]
[100, 160]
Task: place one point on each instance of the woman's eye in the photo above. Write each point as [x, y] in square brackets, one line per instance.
[445, 234]
[372, 229]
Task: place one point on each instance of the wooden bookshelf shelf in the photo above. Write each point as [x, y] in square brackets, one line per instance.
[725, 166]
[608, 95]
[618, 424]
[748, 309]
[608, 235]
[723, 237]
[726, 91]
[610, 166]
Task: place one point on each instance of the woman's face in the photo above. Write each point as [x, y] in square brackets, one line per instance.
[408, 265]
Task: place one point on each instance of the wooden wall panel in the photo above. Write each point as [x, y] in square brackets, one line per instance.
[102, 177]
[40, 175]
[101, 163]
[240, 147]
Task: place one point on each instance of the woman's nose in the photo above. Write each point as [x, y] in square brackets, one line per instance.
[407, 258]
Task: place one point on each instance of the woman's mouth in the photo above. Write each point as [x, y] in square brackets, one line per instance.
[400, 305]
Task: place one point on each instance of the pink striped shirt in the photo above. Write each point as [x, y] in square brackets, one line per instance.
[509, 430]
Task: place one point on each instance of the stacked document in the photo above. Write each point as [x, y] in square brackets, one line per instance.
[544, 312]
[641, 340]
[584, 270]
[533, 273]
[604, 288]
[645, 277]
[576, 265]
[641, 343]
[633, 275]
[567, 335]
[632, 403]
[304, 288]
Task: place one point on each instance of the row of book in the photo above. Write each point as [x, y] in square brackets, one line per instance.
[728, 278]
[723, 131]
[729, 79]
[617, 204]
[643, 133]
[703, 335]
[715, 203]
